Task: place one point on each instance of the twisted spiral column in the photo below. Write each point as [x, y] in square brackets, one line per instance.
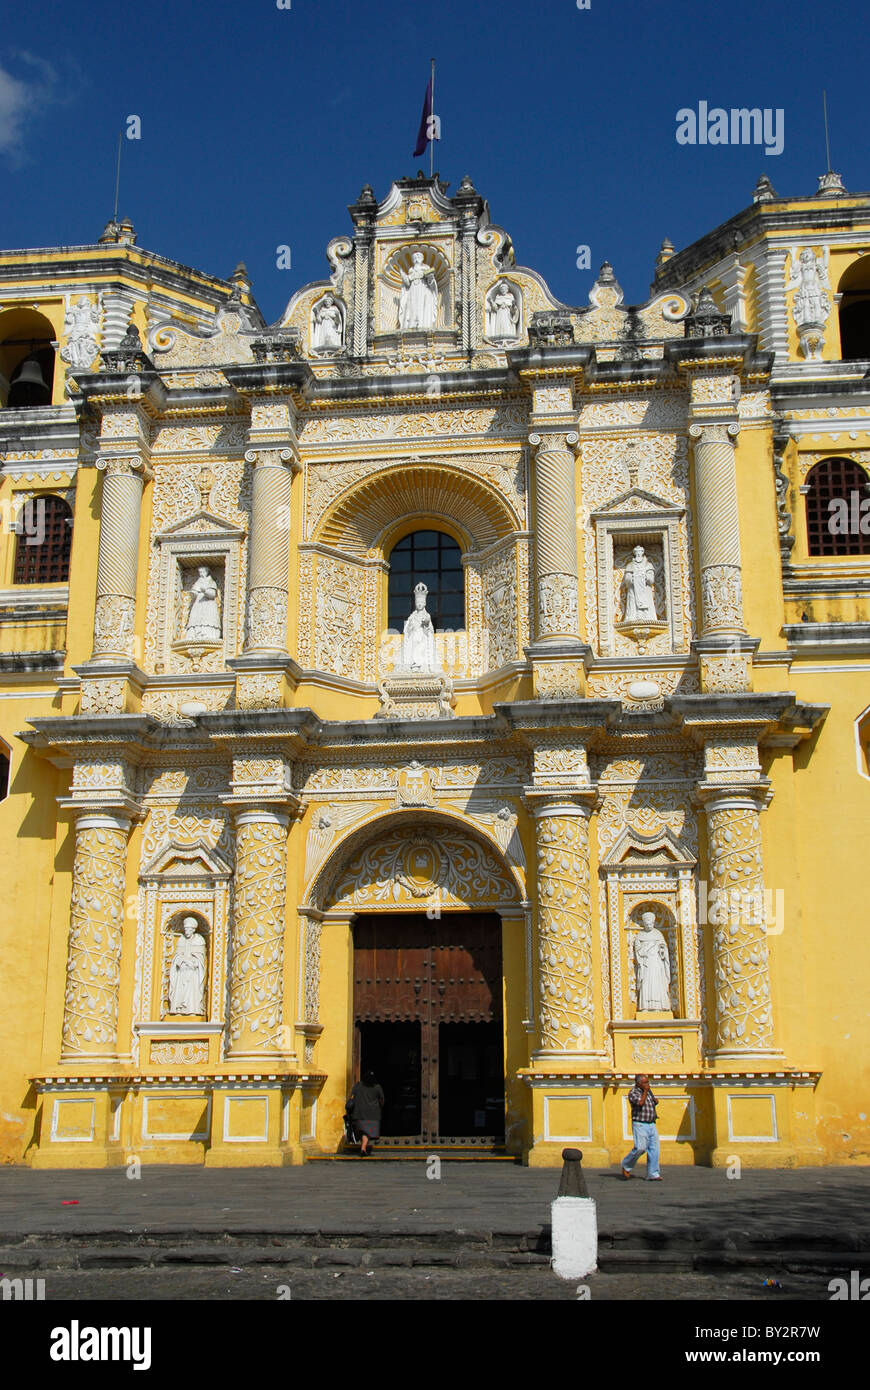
[556, 607]
[741, 973]
[257, 950]
[718, 525]
[269, 554]
[93, 968]
[117, 557]
[566, 999]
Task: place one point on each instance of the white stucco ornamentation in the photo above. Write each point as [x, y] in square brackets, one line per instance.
[811, 305]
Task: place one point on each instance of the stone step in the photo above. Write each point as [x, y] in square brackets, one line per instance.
[24, 1261]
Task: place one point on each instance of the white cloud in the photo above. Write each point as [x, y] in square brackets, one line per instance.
[14, 102]
[23, 98]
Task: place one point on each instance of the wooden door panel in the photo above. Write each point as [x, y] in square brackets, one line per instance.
[447, 972]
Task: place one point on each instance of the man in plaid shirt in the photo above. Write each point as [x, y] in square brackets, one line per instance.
[643, 1127]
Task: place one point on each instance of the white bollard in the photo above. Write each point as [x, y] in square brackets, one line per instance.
[575, 1237]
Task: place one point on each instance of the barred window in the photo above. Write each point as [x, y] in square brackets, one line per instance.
[44, 541]
[434, 559]
[838, 508]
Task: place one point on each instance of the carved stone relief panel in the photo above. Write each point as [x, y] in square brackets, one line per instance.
[341, 643]
[408, 867]
[509, 419]
[644, 479]
[200, 515]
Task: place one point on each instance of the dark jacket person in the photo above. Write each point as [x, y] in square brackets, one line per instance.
[364, 1105]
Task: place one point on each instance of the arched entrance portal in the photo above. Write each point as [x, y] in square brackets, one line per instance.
[424, 948]
[427, 1006]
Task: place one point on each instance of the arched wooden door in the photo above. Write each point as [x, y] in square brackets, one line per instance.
[428, 1022]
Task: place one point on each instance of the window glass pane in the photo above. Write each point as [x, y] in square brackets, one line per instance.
[432, 558]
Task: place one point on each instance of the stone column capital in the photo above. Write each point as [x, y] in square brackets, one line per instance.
[714, 431]
[122, 465]
[736, 795]
[114, 817]
[561, 801]
[566, 439]
[271, 456]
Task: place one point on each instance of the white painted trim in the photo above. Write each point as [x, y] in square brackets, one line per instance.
[753, 1138]
[245, 1138]
[28, 694]
[55, 1115]
[168, 1138]
[31, 596]
[549, 1137]
[312, 1134]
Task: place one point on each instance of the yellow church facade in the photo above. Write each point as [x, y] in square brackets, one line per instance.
[443, 681]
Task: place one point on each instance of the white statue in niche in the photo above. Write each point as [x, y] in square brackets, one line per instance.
[652, 966]
[187, 971]
[502, 312]
[418, 301]
[418, 640]
[203, 620]
[811, 304]
[810, 274]
[638, 584]
[81, 325]
[328, 324]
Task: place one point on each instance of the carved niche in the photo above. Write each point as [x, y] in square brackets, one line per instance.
[640, 519]
[198, 541]
[651, 873]
[180, 880]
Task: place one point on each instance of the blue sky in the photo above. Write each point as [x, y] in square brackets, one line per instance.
[259, 124]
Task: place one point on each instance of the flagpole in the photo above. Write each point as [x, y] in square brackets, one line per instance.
[432, 113]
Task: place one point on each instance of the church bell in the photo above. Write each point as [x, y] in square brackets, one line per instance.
[29, 387]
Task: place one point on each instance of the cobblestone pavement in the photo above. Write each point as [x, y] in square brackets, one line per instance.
[534, 1284]
[822, 1208]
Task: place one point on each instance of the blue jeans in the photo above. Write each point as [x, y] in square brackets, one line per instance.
[646, 1140]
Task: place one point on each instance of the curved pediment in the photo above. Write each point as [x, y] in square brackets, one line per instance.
[195, 860]
[633, 851]
[409, 862]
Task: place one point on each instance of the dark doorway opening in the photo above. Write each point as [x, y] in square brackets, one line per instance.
[392, 1052]
[428, 1020]
[471, 1079]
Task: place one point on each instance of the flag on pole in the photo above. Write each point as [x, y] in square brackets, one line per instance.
[424, 134]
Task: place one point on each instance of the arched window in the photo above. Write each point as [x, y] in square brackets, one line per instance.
[4, 771]
[838, 508]
[26, 359]
[434, 559]
[854, 288]
[44, 526]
